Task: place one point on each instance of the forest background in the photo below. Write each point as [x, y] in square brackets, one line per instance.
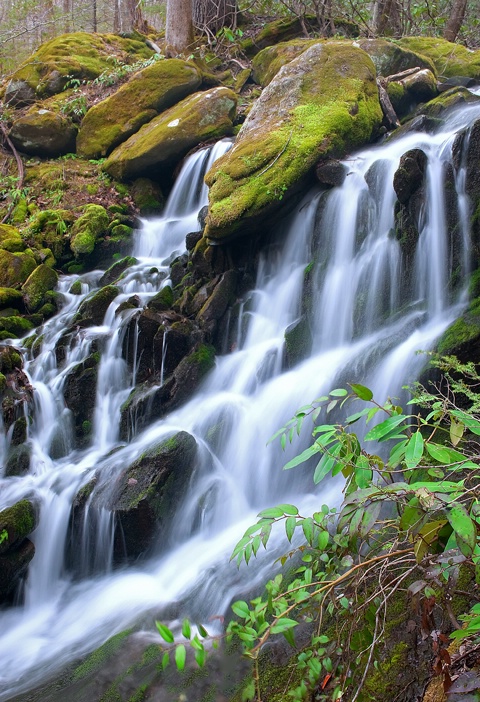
[25, 24]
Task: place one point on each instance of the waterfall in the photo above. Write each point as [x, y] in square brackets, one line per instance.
[366, 324]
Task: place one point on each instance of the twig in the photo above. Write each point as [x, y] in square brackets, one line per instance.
[277, 156]
[21, 170]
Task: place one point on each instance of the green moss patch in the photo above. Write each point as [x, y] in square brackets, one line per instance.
[15, 268]
[37, 285]
[10, 239]
[449, 59]
[87, 229]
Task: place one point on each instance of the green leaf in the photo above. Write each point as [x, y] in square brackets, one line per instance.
[201, 657]
[326, 463]
[289, 635]
[282, 625]
[363, 472]
[241, 609]
[397, 453]
[180, 657]
[456, 432]
[323, 539]
[165, 632]
[302, 457]
[362, 392]
[307, 526]
[443, 454]
[369, 518]
[165, 660]
[290, 525]
[414, 450]
[271, 512]
[186, 630]
[471, 423]
[355, 417]
[288, 509]
[464, 528]
[384, 428]
[339, 392]
[202, 631]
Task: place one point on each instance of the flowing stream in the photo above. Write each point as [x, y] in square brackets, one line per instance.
[368, 317]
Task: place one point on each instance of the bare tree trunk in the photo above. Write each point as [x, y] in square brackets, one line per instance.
[94, 18]
[386, 18]
[179, 26]
[116, 17]
[455, 20]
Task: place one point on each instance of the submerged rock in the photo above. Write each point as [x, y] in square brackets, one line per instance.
[168, 137]
[322, 104]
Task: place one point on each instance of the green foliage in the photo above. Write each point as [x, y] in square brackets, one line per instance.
[411, 500]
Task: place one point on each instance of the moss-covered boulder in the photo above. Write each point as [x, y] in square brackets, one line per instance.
[49, 229]
[94, 307]
[43, 133]
[322, 104]
[115, 271]
[440, 106]
[168, 137]
[14, 326]
[80, 56]
[10, 239]
[88, 228]
[15, 268]
[449, 59]
[149, 92]
[462, 338]
[146, 495]
[389, 58]
[37, 285]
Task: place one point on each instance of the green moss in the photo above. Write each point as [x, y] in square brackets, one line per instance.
[20, 211]
[3, 382]
[465, 330]
[122, 231]
[449, 59]
[87, 229]
[16, 326]
[162, 300]
[15, 268]
[19, 521]
[98, 658]
[36, 286]
[269, 61]
[382, 682]
[76, 288]
[10, 239]
[203, 358]
[446, 101]
[149, 92]
[86, 427]
[49, 229]
[332, 108]
[11, 298]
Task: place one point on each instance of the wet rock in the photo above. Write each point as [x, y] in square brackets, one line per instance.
[19, 93]
[192, 239]
[331, 172]
[93, 309]
[19, 433]
[116, 269]
[13, 567]
[146, 495]
[18, 461]
[456, 82]
[298, 342]
[410, 175]
[217, 303]
[16, 523]
[466, 153]
[169, 137]
[80, 395]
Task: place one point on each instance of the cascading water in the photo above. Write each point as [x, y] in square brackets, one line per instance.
[366, 325]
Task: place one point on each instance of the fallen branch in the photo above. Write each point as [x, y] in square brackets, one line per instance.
[21, 170]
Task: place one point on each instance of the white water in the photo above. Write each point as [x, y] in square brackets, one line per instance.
[366, 325]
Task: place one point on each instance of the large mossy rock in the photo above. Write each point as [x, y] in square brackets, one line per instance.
[38, 284]
[168, 137]
[81, 56]
[146, 495]
[15, 268]
[270, 60]
[93, 309]
[149, 92]
[43, 133]
[449, 59]
[322, 104]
